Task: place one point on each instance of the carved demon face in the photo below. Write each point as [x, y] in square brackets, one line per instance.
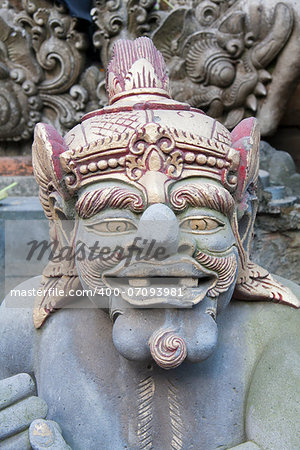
[165, 201]
[173, 264]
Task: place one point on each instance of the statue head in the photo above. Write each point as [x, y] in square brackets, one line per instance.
[157, 202]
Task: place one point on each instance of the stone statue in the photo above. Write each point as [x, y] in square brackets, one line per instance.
[151, 206]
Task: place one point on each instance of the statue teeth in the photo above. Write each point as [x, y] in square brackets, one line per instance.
[260, 90]
[251, 102]
[188, 282]
[138, 282]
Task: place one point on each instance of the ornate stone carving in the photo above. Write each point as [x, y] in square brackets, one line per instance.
[219, 55]
[119, 18]
[167, 349]
[223, 57]
[230, 58]
[41, 60]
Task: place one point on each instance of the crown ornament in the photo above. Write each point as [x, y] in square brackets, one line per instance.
[137, 67]
[133, 136]
[143, 130]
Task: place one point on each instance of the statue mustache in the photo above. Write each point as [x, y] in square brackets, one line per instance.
[224, 267]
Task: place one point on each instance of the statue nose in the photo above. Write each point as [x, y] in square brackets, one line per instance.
[159, 225]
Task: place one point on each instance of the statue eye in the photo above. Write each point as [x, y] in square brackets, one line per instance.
[113, 226]
[201, 224]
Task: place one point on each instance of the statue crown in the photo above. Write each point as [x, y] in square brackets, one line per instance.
[136, 65]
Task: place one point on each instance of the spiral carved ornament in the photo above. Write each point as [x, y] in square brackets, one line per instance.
[167, 348]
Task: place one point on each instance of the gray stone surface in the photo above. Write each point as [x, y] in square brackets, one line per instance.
[272, 414]
[15, 388]
[19, 441]
[160, 222]
[276, 243]
[246, 446]
[76, 363]
[281, 167]
[21, 220]
[19, 416]
[26, 187]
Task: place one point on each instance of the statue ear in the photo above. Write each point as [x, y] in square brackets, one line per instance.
[245, 139]
[253, 282]
[60, 273]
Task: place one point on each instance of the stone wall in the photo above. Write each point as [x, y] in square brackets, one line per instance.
[276, 242]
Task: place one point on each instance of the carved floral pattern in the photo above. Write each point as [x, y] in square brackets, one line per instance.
[216, 60]
[41, 59]
[221, 57]
[152, 148]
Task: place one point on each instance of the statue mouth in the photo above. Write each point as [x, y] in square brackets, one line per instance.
[163, 311]
[178, 284]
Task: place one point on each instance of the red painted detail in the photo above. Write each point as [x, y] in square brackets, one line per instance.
[243, 162]
[157, 105]
[58, 147]
[197, 111]
[101, 112]
[141, 107]
[188, 115]
[242, 170]
[125, 54]
[243, 129]
[223, 175]
[130, 94]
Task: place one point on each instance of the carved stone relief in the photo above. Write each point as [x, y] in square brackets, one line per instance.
[231, 58]
[42, 55]
[220, 54]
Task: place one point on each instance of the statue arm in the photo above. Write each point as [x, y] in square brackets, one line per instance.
[17, 340]
[22, 413]
[22, 424]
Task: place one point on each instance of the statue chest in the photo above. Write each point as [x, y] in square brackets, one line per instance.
[101, 400]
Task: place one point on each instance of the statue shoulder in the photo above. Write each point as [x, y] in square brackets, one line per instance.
[272, 407]
[278, 319]
[264, 321]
